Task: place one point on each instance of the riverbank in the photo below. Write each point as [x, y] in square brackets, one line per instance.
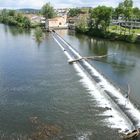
[22, 25]
[113, 36]
[13, 18]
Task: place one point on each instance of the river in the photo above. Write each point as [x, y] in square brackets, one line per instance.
[37, 81]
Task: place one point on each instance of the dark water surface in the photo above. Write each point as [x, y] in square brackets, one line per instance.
[36, 81]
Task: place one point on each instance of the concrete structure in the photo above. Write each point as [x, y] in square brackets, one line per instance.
[128, 24]
[57, 23]
[62, 11]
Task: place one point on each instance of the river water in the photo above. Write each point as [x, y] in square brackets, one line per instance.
[122, 68]
[37, 81]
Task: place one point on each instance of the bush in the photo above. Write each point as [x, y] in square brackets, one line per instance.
[131, 38]
[10, 17]
[38, 34]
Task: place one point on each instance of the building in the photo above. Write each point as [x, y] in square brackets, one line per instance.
[34, 18]
[62, 11]
[57, 23]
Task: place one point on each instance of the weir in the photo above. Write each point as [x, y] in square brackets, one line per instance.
[128, 111]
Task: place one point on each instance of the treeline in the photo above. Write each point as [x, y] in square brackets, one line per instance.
[100, 18]
[11, 17]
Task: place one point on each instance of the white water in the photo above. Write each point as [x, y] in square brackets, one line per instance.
[118, 119]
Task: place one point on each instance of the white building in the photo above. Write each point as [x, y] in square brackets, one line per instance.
[57, 23]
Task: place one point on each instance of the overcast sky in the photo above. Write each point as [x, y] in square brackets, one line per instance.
[60, 3]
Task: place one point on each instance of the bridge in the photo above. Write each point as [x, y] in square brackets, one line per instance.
[109, 91]
[127, 24]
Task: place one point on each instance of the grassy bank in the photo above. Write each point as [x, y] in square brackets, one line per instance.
[121, 30]
[111, 34]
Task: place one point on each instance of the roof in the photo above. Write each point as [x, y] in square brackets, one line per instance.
[56, 18]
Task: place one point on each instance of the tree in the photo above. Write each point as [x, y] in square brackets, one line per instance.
[74, 12]
[10, 17]
[136, 13]
[82, 25]
[48, 11]
[26, 22]
[38, 33]
[101, 16]
[125, 10]
[119, 11]
[11, 12]
[128, 11]
[19, 17]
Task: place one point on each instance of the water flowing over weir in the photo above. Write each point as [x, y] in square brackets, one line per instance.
[122, 114]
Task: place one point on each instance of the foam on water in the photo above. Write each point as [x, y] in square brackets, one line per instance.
[116, 118]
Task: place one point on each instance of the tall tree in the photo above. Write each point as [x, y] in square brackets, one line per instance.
[136, 13]
[119, 10]
[101, 16]
[128, 11]
[48, 11]
[82, 25]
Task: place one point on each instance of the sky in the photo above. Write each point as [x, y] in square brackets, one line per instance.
[37, 4]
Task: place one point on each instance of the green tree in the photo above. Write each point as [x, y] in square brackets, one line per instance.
[38, 34]
[4, 15]
[74, 12]
[48, 11]
[82, 25]
[119, 11]
[136, 13]
[128, 9]
[101, 17]
[11, 12]
[128, 12]
[10, 17]
[26, 22]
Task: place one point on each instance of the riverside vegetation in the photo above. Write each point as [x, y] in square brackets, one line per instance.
[38, 34]
[94, 22]
[16, 18]
[11, 17]
[98, 21]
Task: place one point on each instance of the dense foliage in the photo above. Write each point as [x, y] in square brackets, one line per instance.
[11, 17]
[74, 12]
[100, 19]
[48, 11]
[38, 33]
[82, 25]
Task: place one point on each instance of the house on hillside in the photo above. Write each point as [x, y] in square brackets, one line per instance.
[57, 23]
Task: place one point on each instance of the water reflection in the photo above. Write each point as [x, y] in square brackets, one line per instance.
[121, 59]
[121, 68]
[98, 47]
[16, 31]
